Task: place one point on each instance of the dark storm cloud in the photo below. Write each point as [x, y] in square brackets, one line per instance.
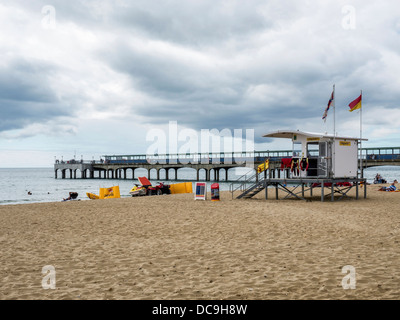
[209, 64]
[21, 81]
[187, 22]
[193, 22]
[204, 96]
[26, 95]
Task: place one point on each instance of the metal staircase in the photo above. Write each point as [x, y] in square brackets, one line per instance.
[252, 190]
[249, 186]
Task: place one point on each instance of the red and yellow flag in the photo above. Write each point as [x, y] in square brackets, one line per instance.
[356, 104]
[263, 166]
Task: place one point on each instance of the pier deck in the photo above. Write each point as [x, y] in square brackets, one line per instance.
[218, 164]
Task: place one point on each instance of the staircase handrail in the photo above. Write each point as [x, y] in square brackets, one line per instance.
[242, 183]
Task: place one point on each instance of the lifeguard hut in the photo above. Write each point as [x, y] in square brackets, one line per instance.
[318, 161]
[318, 155]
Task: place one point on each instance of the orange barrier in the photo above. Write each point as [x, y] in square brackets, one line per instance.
[185, 187]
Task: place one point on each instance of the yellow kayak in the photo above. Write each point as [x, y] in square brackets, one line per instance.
[92, 196]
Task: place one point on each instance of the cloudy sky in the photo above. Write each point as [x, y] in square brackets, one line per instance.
[89, 78]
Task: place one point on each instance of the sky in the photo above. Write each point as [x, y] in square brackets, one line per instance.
[90, 78]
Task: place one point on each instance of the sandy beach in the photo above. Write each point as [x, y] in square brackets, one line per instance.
[172, 247]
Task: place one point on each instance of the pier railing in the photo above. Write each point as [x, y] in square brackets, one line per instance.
[79, 162]
[378, 153]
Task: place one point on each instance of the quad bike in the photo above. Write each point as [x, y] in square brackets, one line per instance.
[158, 190]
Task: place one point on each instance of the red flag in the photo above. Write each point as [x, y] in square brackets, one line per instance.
[356, 104]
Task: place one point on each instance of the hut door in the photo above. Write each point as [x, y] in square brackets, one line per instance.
[322, 160]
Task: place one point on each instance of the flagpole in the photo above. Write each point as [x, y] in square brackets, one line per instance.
[334, 109]
[361, 172]
[334, 129]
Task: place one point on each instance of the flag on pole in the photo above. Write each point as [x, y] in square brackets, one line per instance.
[356, 104]
[262, 167]
[328, 106]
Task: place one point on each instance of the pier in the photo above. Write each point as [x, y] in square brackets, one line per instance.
[214, 166]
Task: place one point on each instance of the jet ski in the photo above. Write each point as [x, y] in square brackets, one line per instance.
[138, 191]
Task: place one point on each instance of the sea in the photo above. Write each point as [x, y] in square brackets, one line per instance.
[15, 183]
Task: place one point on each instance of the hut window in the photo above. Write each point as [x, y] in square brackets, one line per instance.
[296, 149]
[313, 149]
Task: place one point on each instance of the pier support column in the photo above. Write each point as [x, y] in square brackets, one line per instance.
[166, 174]
[63, 174]
[226, 174]
[176, 173]
[125, 174]
[70, 174]
[208, 174]
[55, 173]
[197, 174]
[148, 174]
[158, 174]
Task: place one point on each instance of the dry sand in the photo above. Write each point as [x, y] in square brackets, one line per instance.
[172, 247]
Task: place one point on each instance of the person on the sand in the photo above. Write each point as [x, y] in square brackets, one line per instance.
[392, 187]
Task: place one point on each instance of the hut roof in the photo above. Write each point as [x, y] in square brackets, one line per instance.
[290, 133]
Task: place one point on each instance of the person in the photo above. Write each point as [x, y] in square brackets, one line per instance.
[392, 187]
[72, 196]
[379, 179]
